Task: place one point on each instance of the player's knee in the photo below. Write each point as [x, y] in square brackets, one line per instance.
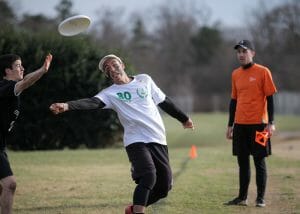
[11, 186]
[164, 192]
[164, 189]
[148, 180]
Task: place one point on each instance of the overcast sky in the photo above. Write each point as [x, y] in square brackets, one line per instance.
[230, 13]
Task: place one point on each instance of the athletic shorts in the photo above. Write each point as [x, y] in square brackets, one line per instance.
[243, 142]
[5, 169]
[149, 157]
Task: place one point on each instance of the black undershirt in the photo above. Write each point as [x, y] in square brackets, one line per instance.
[248, 65]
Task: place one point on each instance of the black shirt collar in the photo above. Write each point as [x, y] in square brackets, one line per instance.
[248, 65]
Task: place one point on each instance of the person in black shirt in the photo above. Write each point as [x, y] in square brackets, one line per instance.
[12, 84]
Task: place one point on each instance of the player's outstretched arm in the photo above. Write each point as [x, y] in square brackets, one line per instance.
[81, 104]
[32, 77]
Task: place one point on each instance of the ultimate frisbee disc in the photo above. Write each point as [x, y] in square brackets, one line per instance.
[74, 25]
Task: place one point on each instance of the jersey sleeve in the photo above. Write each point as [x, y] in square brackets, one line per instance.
[104, 98]
[269, 86]
[85, 103]
[233, 88]
[157, 95]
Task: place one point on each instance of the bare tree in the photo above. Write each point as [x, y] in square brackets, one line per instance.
[7, 15]
[64, 9]
[277, 37]
[173, 48]
[140, 46]
[110, 31]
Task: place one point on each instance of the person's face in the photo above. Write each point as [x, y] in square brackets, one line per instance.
[115, 70]
[245, 56]
[16, 72]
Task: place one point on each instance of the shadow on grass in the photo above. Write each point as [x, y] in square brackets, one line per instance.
[181, 169]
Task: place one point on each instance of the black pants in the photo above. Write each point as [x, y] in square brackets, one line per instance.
[151, 172]
[245, 174]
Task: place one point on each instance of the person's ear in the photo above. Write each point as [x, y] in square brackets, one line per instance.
[7, 71]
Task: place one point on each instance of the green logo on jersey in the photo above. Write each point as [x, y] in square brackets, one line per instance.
[142, 92]
[125, 96]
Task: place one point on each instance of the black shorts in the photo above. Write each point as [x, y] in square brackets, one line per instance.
[149, 157]
[5, 169]
[243, 142]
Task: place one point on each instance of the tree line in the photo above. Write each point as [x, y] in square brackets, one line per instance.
[187, 57]
[73, 75]
[190, 57]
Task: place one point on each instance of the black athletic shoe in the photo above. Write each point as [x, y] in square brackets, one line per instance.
[237, 201]
[260, 202]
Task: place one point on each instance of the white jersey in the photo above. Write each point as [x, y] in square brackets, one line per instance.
[136, 106]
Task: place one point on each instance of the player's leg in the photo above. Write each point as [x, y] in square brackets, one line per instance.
[143, 173]
[8, 184]
[241, 148]
[163, 183]
[261, 179]
[8, 190]
[244, 176]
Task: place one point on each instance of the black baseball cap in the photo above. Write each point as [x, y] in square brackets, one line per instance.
[245, 44]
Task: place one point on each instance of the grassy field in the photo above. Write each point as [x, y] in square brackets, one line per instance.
[98, 181]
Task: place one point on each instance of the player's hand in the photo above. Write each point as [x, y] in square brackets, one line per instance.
[188, 124]
[58, 108]
[270, 129]
[47, 62]
[229, 132]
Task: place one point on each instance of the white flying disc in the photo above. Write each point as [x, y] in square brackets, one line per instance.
[74, 25]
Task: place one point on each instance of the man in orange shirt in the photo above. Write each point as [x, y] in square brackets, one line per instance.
[251, 120]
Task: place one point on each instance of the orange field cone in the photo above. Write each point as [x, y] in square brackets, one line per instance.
[193, 152]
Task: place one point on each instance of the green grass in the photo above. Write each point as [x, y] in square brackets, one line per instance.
[98, 181]
[210, 129]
